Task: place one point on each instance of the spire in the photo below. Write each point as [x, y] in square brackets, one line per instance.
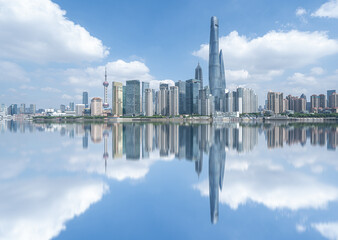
[105, 73]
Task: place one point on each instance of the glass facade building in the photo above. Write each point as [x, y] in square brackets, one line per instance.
[133, 98]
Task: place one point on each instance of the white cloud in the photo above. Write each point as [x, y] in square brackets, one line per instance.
[38, 30]
[237, 75]
[301, 79]
[11, 72]
[50, 89]
[300, 228]
[66, 97]
[39, 208]
[119, 71]
[275, 51]
[317, 71]
[328, 9]
[300, 11]
[328, 230]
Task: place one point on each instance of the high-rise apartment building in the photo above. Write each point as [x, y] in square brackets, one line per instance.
[333, 100]
[96, 106]
[173, 101]
[71, 106]
[22, 108]
[206, 102]
[163, 99]
[133, 107]
[329, 93]
[117, 99]
[275, 102]
[85, 99]
[32, 108]
[314, 99]
[322, 101]
[243, 100]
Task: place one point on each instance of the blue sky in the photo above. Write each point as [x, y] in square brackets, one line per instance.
[52, 51]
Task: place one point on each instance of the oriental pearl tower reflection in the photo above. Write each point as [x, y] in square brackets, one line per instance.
[105, 154]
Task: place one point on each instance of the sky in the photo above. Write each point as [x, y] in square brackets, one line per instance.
[52, 51]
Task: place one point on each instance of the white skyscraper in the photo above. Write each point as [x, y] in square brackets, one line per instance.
[173, 101]
[148, 102]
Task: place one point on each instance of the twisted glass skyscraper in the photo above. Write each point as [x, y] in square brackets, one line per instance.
[216, 65]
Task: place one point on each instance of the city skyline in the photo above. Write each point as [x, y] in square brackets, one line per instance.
[293, 47]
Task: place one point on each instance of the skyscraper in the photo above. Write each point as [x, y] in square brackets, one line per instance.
[105, 85]
[85, 99]
[145, 85]
[192, 95]
[216, 65]
[96, 106]
[173, 101]
[329, 93]
[117, 99]
[199, 75]
[148, 97]
[181, 96]
[133, 97]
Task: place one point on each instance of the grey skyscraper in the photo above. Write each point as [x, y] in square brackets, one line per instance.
[199, 75]
[85, 99]
[181, 96]
[192, 95]
[145, 85]
[133, 97]
[216, 65]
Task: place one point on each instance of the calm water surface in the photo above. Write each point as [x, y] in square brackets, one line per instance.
[157, 181]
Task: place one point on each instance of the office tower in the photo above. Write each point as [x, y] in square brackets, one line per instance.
[148, 104]
[333, 100]
[205, 102]
[314, 99]
[117, 140]
[199, 75]
[322, 101]
[132, 133]
[181, 96]
[329, 93]
[124, 89]
[173, 101]
[32, 109]
[79, 108]
[22, 108]
[275, 102]
[216, 71]
[96, 106]
[62, 108]
[133, 98]
[192, 95]
[85, 99]
[154, 101]
[105, 86]
[164, 99]
[145, 85]
[117, 99]
[71, 106]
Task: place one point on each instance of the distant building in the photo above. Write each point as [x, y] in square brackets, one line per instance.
[206, 102]
[117, 99]
[62, 108]
[192, 95]
[333, 100]
[79, 108]
[181, 96]
[173, 101]
[329, 93]
[71, 106]
[32, 109]
[96, 106]
[22, 108]
[133, 107]
[148, 97]
[163, 99]
[199, 75]
[322, 101]
[314, 99]
[275, 102]
[295, 104]
[85, 99]
[243, 100]
[145, 85]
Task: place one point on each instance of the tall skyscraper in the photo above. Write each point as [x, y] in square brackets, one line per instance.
[32, 109]
[192, 95]
[173, 101]
[216, 71]
[117, 99]
[275, 102]
[22, 108]
[71, 106]
[181, 96]
[199, 75]
[145, 85]
[85, 99]
[163, 99]
[105, 85]
[133, 98]
[148, 105]
[329, 93]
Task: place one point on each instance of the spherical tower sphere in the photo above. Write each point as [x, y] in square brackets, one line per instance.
[105, 83]
[106, 105]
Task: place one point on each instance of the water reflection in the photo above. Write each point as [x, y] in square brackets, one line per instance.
[235, 177]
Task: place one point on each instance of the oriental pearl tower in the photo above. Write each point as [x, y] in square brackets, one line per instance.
[105, 85]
